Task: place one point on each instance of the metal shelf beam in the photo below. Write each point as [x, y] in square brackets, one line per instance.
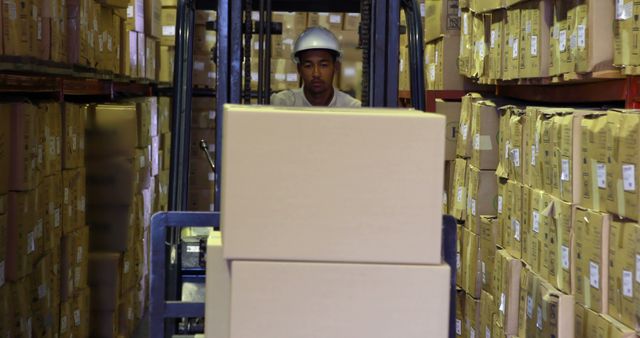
[347, 6]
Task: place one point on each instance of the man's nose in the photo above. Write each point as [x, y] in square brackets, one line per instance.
[316, 71]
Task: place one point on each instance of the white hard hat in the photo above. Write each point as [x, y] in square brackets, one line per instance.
[316, 38]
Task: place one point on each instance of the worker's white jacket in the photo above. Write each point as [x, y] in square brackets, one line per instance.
[296, 98]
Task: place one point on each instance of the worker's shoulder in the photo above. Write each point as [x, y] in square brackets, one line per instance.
[345, 100]
[283, 98]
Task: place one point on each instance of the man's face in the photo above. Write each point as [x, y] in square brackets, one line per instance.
[317, 67]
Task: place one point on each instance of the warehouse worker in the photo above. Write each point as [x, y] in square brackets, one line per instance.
[317, 56]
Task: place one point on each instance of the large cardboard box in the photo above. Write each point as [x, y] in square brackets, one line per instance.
[504, 141]
[16, 27]
[464, 140]
[497, 43]
[535, 23]
[23, 171]
[507, 293]
[594, 36]
[218, 302]
[451, 110]
[625, 31]
[490, 239]
[472, 315]
[152, 18]
[458, 194]
[332, 159]
[484, 133]
[482, 196]
[514, 153]
[136, 15]
[558, 247]
[514, 221]
[168, 21]
[594, 157]
[441, 18]
[535, 234]
[74, 199]
[591, 259]
[623, 189]
[511, 47]
[548, 311]
[617, 329]
[20, 239]
[623, 286]
[460, 306]
[73, 136]
[569, 150]
[471, 275]
[487, 313]
[112, 131]
[532, 171]
[466, 44]
[287, 299]
[51, 116]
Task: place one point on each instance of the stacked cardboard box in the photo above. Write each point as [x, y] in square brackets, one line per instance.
[354, 289]
[201, 176]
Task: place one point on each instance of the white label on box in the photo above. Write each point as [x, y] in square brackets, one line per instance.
[484, 272]
[529, 306]
[66, 195]
[624, 10]
[56, 218]
[481, 49]
[1, 273]
[594, 275]
[601, 169]
[627, 284]
[193, 248]
[516, 157]
[348, 71]
[211, 177]
[256, 45]
[126, 266]
[536, 221]
[564, 175]
[280, 77]
[507, 148]
[255, 16]
[79, 255]
[401, 65]
[515, 47]
[539, 319]
[254, 76]
[458, 327]
[31, 243]
[63, 324]
[130, 314]
[130, 11]
[533, 155]
[499, 204]
[565, 257]
[81, 203]
[534, 45]
[527, 27]
[487, 332]
[464, 129]
[472, 333]
[423, 10]
[335, 19]
[458, 262]
[198, 65]
[516, 229]
[473, 207]
[110, 43]
[573, 42]
[459, 194]
[169, 30]
[292, 77]
[212, 114]
[76, 317]
[465, 24]
[629, 177]
[582, 36]
[436, 57]
[502, 302]
[562, 40]
[476, 142]
[638, 268]
[444, 197]
[432, 72]
[11, 6]
[493, 39]
[39, 34]
[42, 291]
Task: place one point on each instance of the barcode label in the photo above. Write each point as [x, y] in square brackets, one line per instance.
[629, 177]
[534, 45]
[499, 204]
[594, 275]
[516, 229]
[565, 257]
[582, 36]
[627, 284]
[562, 40]
[536, 221]
[564, 175]
[529, 307]
[601, 169]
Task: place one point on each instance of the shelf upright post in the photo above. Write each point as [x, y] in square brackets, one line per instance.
[383, 53]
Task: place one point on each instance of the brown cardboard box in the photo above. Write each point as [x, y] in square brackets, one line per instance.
[539, 223]
[40, 31]
[81, 305]
[482, 196]
[451, 110]
[623, 250]
[472, 315]
[351, 21]
[547, 150]
[460, 306]
[471, 275]
[594, 161]
[110, 181]
[56, 14]
[441, 18]
[504, 141]
[258, 308]
[205, 40]
[625, 30]
[105, 55]
[74, 199]
[142, 57]
[594, 36]
[52, 195]
[484, 133]
[276, 126]
[218, 295]
[591, 259]
[536, 19]
[23, 143]
[73, 140]
[569, 147]
[526, 302]
[511, 47]
[164, 114]
[52, 127]
[497, 42]
[5, 147]
[458, 196]
[74, 262]
[532, 171]
[515, 153]
[464, 140]
[20, 240]
[555, 311]
[16, 27]
[109, 228]
[135, 16]
[625, 128]
[480, 39]
[558, 246]
[617, 329]
[152, 18]
[168, 21]
[442, 69]
[507, 291]
[466, 44]
[513, 226]
[131, 49]
[490, 238]
[487, 313]
[204, 71]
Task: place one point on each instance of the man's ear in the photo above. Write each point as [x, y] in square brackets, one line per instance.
[337, 65]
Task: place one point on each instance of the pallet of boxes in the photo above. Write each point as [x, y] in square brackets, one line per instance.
[341, 247]
[122, 169]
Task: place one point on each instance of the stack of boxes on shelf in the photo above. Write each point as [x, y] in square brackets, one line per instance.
[323, 267]
[122, 171]
[114, 36]
[204, 70]
[201, 176]
[524, 39]
[553, 252]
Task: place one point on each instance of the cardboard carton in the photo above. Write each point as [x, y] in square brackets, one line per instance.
[594, 36]
[481, 197]
[497, 42]
[258, 308]
[219, 290]
[511, 48]
[623, 196]
[441, 18]
[487, 313]
[22, 173]
[594, 161]
[513, 226]
[490, 238]
[558, 246]
[532, 171]
[472, 315]
[466, 44]
[507, 291]
[471, 283]
[484, 133]
[536, 20]
[625, 30]
[73, 137]
[514, 144]
[617, 329]
[539, 223]
[20, 240]
[306, 155]
[504, 143]
[464, 140]
[623, 286]
[458, 195]
[591, 254]
[570, 143]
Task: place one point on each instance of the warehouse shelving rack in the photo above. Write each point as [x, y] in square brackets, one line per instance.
[379, 34]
